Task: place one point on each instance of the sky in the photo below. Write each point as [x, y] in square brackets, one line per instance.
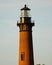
[41, 13]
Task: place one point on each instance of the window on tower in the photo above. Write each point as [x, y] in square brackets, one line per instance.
[20, 27]
[24, 27]
[22, 56]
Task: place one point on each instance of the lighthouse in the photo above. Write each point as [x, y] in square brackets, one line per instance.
[25, 41]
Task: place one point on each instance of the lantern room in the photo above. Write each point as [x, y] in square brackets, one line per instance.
[25, 12]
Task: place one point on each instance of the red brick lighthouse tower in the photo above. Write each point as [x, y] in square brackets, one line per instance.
[25, 43]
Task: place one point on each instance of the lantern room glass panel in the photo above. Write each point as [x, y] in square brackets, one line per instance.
[25, 13]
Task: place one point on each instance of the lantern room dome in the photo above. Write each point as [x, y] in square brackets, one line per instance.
[25, 8]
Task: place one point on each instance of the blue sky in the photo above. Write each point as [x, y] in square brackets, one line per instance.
[41, 12]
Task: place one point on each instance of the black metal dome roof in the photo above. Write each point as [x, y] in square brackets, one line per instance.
[25, 8]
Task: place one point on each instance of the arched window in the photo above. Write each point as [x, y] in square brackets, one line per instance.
[27, 28]
[20, 27]
[24, 27]
[22, 56]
